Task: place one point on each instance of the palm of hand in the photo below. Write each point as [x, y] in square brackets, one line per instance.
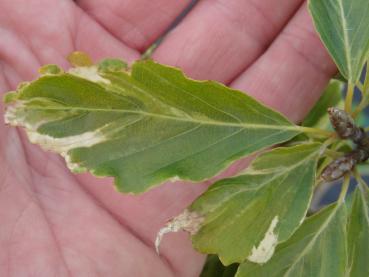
[56, 224]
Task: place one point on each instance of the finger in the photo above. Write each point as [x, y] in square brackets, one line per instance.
[137, 23]
[219, 39]
[46, 33]
[93, 39]
[292, 73]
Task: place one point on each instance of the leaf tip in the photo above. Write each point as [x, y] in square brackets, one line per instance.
[50, 69]
[188, 221]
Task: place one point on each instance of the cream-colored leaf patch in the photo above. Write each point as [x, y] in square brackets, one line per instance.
[265, 250]
[63, 145]
[89, 73]
[186, 221]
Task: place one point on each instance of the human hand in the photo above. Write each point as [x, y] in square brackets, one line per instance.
[54, 223]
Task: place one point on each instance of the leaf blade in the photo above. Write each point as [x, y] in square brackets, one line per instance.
[145, 126]
[358, 233]
[266, 203]
[318, 248]
[342, 26]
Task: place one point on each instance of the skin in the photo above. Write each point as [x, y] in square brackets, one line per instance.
[54, 223]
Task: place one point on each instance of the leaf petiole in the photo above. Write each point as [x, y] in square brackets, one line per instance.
[345, 186]
[349, 97]
[314, 131]
[332, 154]
[359, 179]
[365, 95]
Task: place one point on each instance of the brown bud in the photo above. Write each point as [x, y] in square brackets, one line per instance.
[343, 165]
[345, 126]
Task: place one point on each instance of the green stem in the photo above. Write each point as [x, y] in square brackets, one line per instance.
[150, 51]
[349, 97]
[360, 107]
[364, 95]
[360, 86]
[344, 188]
[359, 179]
[333, 154]
[314, 131]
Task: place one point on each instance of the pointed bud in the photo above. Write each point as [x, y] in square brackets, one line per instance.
[344, 125]
[343, 165]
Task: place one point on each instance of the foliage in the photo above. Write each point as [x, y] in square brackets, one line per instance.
[148, 123]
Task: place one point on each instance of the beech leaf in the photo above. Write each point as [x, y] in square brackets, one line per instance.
[343, 28]
[143, 126]
[245, 217]
[317, 248]
[358, 233]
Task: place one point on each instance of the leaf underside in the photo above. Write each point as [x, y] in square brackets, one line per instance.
[143, 126]
[343, 27]
[245, 217]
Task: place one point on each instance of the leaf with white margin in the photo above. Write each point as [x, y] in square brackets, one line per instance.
[245, 217]
[143, 126]
[358, 233]
[343, 28]
[317, 249]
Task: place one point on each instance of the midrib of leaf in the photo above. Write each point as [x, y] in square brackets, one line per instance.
[364, 204]
[312, 242]
[345, 38]
[192, 120]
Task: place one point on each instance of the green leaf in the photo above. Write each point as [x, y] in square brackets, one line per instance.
[358, 234]
[145, 126]
[317, 249]
[245, 217]
[331, 97]
[214, 268]
[343, 27]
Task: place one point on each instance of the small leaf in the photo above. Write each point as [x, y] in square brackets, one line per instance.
[50, 69]
[78, 58]
[145, 126]
[343, 27]
[107, 65]
[245, 217]
[331, 97]
[358, 234]
[317, 248]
